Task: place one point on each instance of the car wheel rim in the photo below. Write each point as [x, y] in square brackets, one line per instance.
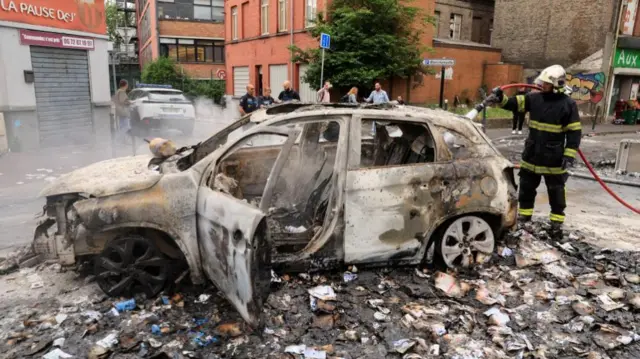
[131, 265]
[464, 239]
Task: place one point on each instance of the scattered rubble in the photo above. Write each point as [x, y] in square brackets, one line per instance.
[534, 298]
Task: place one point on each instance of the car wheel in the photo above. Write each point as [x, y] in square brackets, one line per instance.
[463, 239]
[131, 264]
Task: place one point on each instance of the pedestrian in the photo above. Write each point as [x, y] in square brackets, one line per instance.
[552, 144]
[400, 100]
[288, 94]
[248, 102]
[323, 95]
[518, 116]
[351, 96]
[123, 112]
[378, 95]
[266, 100]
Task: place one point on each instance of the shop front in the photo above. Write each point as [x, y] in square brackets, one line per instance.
[54, 74]
[626, 80]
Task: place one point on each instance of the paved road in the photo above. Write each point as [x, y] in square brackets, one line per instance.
[22, 176]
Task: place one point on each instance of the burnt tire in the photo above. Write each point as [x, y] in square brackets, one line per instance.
[131, 264]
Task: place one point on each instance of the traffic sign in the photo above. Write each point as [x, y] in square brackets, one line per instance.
[222, 74]
[325, 41]
[439, 62]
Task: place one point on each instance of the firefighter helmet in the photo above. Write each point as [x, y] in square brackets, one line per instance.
[555, 75]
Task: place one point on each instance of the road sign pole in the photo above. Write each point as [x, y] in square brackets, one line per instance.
[322, 69]
[442, 87]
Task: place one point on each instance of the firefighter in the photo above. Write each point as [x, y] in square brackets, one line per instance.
[552, 144]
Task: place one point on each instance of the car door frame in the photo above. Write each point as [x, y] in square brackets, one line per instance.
[410, 250]
[233, 236]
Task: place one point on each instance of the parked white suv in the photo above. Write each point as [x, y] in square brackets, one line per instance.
[160, 108]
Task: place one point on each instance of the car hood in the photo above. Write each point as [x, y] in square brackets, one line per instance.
[118, 175]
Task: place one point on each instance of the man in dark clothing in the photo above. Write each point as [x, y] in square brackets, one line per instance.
[266, 99]
[248, 102]
[518, 117]
[552, 144]
[288, 94]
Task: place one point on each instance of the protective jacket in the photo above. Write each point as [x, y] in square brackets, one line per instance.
[554, 130]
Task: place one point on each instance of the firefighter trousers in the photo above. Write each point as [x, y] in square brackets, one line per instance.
[529, 182]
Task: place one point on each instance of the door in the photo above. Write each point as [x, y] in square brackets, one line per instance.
[240, 80]
[63, 96]
[232, 234]
[307, 94]
[277, 76]
[391, 199]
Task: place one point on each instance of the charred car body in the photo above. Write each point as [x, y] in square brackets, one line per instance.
[300, 186]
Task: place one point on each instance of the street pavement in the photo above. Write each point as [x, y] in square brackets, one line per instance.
[23, 175]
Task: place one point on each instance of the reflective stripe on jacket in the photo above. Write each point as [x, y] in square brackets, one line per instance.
[554, 130]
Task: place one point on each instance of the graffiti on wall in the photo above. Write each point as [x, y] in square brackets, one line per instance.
[587, 87]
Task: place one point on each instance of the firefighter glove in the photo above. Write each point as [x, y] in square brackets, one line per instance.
[567, 162]
[497, 92]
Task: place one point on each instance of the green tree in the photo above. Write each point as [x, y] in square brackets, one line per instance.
[165, 71]
[370, 40]
[114, 18]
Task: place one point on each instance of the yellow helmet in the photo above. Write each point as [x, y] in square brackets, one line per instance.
[555, 75]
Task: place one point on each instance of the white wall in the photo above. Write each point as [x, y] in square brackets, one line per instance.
[99, 72]
[14, 59]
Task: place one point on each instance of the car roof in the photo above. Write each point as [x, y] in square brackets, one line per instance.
[157, 89]
[295, 109]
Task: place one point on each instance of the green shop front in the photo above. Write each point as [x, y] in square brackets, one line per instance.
[626, 80]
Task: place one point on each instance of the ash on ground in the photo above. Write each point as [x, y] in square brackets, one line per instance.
[534, 298]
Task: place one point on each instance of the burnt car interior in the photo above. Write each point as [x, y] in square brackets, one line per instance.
[391, 143]
[303, 187]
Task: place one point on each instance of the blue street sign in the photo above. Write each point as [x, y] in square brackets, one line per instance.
[325, 41]
[439, 62]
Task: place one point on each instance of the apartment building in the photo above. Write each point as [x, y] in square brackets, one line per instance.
[191, 32]
[259, 34]
[464, 20]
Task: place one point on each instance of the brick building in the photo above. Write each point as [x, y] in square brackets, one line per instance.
[539, 33]
[191, 32]
[259, 32]
[470, 20]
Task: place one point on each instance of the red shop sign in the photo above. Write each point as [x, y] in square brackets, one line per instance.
[49, 39]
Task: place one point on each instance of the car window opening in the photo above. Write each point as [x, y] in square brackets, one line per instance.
[393, 143]
[302, 190]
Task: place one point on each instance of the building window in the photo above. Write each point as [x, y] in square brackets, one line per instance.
[455, 23]
[311, 13]
[436, 16]
[282, 15]
[212, 10]
[188, 50]
[264, 16]
[234, 23]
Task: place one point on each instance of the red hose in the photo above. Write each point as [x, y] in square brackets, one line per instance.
[584, 159]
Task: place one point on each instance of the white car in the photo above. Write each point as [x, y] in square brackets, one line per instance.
[159, 108]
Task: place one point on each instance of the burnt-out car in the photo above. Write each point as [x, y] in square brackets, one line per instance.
[295, 186]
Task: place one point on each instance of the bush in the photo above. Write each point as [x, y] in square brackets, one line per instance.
[164, 71]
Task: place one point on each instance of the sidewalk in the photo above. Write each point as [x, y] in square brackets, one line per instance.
[601, 129]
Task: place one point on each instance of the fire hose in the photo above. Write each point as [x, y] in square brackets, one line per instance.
[480, 107]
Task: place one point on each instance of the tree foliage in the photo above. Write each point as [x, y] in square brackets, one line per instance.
[114, 17]
[371, 40]
[165, 71]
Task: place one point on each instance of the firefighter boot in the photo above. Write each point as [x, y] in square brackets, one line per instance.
[555, 232]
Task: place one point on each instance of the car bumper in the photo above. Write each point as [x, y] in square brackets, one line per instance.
[172, 122]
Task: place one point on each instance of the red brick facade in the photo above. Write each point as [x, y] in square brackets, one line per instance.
[255, 50]
[191, 28]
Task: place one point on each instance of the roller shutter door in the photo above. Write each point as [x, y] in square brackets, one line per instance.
[277, 76]
[307, 93]
[63, 96]
[240, 80]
